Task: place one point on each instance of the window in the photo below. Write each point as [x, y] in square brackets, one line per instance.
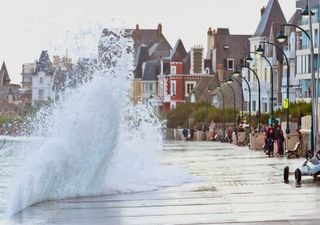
[41, 80]
[41, 94]
[265, 107]
[189, 87]
[147, 87]
[173, 70]
[173, 88]
[230, 64]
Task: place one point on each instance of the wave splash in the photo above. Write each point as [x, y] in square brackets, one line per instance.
[96, 142]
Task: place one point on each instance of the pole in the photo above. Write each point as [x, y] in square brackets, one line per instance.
[242, 100]
[271, 81]
[314, 89]
[314, 121]
[234, 106]
[288, 79]
[249, 89]
[259, 96]
[223, 113]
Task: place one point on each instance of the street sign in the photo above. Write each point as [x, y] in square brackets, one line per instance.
[286, 103]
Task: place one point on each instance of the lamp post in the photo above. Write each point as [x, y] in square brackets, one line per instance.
[228, 82]
[207, 103]
[288, 79]
[242, 100]
[281, 37]
[223, 111]
[249, 89]
[271, 79]
[237, 73]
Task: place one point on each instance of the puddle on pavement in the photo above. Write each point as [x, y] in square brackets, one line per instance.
[204, 189]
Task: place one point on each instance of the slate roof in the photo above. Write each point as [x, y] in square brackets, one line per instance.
[151, 70]
[44, 64]
[149, 37]
[179, 52]
[149, 44]
[275, 29]
[272, 14]
[295, 19]
[4, 75]
[230, 46]
[141, 56]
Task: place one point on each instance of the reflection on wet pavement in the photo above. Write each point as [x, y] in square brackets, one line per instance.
[238, 186]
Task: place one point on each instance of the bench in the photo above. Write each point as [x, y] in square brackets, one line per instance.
[295, 151]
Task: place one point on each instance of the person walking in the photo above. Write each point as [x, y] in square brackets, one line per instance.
[270, 140]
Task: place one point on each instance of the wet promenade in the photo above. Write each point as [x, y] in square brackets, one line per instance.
[239, 186]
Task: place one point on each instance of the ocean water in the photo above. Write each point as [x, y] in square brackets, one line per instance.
[90, 143]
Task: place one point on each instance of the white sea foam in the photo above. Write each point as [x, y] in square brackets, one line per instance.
[96, 143]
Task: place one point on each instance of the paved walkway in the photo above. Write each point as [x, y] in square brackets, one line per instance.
[240, 186]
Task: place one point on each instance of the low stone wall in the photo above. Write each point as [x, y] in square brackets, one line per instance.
[256, 141]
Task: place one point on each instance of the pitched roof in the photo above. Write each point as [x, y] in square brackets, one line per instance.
[149, 37]
[231, 46]
[141, 56]
[179, 52]
[295, 19]
[272, 14]
[151, 70]
[44, 64]
[275, 29]
[4, 75]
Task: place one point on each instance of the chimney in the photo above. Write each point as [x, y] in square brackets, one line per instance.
[262, 10]
[137, 26]
[209, 31]
[159, 29]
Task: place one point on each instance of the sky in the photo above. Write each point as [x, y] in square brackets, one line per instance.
[68, 27]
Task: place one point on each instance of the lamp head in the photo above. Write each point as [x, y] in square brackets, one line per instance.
[229, 80]
[260, 50]
[236, 72]
[249, 58]
[281, 37]
[305, 12]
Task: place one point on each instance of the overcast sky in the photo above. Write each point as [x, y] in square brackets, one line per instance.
[29, 26]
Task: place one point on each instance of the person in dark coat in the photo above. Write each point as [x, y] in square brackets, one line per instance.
[270, 139]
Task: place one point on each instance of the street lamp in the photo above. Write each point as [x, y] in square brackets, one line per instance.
[281, 37]
[237, 73]
[228, 82]
[242, 97]
[223, 110]
[288, 78]
[249, 89]
[271, 79]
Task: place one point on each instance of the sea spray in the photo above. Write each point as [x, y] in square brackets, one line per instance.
[95, 141]
[82, 132]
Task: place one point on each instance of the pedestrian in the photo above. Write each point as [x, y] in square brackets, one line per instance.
[192, 134]
[185, 134]
[278, 140]
[270, 139]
